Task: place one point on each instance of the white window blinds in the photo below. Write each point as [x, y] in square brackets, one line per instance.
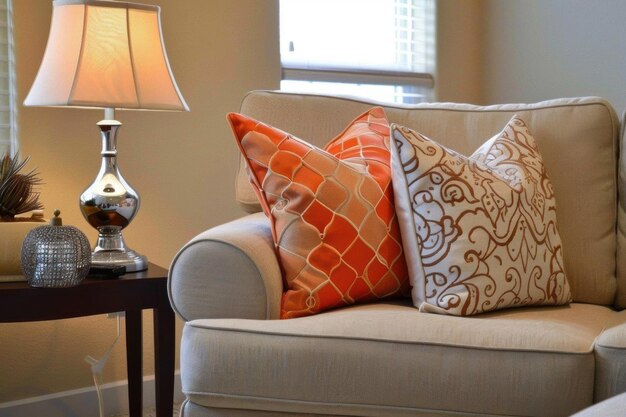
[380, 43]
[8, 109]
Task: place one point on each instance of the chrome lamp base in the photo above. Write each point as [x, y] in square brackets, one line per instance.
[133, 261]
[111, 251]
[109, 204]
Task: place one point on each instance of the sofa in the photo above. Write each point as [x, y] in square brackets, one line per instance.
[386, 358]
[611, 407]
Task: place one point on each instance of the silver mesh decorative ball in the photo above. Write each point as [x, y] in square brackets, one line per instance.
[55, 255]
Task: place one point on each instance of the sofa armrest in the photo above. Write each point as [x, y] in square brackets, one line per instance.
[610, 354]
[229, 271]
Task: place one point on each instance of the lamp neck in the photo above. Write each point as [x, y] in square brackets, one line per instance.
[109, 113]
[108, 133]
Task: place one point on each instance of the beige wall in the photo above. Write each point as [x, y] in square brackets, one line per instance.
[182, 164]
[460, 26]
[538, 49]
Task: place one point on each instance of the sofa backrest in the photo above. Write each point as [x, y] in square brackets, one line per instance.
[578, 139]
[620, 299]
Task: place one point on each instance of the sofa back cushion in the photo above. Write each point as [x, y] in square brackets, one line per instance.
[578, 139]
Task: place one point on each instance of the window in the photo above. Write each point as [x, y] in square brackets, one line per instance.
[380, 49]
[8, 109]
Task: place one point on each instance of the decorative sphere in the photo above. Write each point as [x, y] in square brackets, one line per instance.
[55, 256]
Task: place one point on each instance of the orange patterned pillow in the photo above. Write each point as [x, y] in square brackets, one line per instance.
[333, 220]
[480, 233]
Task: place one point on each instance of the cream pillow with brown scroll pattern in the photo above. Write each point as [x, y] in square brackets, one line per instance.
[479, 233]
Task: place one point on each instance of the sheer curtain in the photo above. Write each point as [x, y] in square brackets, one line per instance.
[8, 108]
[383, 49]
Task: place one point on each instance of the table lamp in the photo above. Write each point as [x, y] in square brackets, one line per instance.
[107, 54]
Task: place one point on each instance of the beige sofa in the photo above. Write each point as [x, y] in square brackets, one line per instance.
[388, 359]
[611, 407]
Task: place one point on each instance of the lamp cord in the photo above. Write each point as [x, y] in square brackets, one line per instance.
[97, 366]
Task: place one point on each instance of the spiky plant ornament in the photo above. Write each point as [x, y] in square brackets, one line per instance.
[17, 191]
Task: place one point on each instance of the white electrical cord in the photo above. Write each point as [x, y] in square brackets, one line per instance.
[97, 365]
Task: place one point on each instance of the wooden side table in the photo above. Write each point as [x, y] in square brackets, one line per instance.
[130, 293]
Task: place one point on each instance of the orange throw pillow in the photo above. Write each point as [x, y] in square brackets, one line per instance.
[333, 220]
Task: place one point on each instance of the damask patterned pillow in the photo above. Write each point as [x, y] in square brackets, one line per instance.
[333, 221]
[479, 233]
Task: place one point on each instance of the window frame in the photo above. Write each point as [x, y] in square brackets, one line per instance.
[424, 81]
[8, 144]
[357, 76]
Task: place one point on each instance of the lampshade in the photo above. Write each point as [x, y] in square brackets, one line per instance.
[107, 54]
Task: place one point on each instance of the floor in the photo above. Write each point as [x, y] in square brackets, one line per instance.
[151, 412]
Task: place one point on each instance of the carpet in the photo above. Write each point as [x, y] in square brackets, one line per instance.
[151, 412]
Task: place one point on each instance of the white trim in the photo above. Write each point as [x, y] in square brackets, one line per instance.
[357, 76]
[83, 402]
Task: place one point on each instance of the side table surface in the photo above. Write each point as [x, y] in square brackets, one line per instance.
[138, 290]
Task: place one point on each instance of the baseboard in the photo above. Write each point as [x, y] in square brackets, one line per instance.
[83, 402]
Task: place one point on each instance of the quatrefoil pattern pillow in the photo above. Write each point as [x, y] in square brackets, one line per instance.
[480, 233]
[334, 225]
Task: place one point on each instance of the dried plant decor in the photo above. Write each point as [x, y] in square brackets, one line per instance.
[18, 191]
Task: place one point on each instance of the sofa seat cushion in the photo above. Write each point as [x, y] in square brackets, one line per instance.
[390, 359]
